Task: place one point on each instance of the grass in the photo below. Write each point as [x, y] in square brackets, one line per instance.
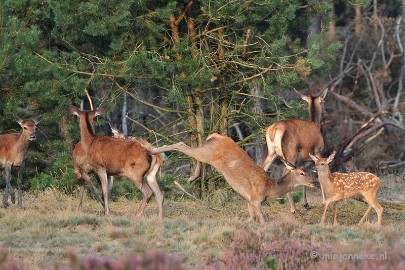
[51, 233]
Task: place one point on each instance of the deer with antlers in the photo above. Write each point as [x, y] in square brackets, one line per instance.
[339, 186]
[13, 152]
[106, 155]
[293, 139]
[243, 175]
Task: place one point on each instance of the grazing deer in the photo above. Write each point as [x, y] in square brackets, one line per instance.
[239, 170]
[111, 156]
[13, 152]
[296, 138]
[339, 186]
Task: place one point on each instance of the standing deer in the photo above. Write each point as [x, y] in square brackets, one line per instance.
[13, 152]
[111, 156]
[296, 138]
[339, 186]
[157, 159]
[243, 175]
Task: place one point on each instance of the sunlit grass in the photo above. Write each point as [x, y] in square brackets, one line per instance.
[51, 226]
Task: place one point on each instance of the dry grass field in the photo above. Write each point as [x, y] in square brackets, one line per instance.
[51, 233]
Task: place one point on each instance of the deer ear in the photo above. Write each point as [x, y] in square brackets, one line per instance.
[18, 120]
[100, 110]
[324, 93]
[314, 158]
[73, 110]
[303, 97]
[37, 119]
[288, 164]
[331, 157]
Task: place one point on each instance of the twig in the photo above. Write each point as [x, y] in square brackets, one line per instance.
[194, 197]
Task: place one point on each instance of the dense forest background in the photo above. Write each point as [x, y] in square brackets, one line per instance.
[179, 70]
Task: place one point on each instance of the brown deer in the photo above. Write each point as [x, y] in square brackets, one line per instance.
[157, 159]
[339, 186]
[13, 152]
[296, 138]
[239, 170]
[111, 156]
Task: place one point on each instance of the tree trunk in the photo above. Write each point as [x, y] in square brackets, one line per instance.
[259, 147]
[124, 122]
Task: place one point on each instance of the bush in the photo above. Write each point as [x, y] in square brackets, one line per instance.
[148, 260]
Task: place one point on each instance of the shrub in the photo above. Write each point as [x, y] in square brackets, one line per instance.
[249, 250]
[8, 262]
[152, 259]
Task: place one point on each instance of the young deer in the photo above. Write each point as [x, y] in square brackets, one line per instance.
[292, 139]
[111, 156]
[339, 186]
[13, 152]
[242, 174]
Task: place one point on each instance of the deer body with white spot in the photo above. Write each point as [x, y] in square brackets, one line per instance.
[243, 175]
[339, 186]
[13, 152]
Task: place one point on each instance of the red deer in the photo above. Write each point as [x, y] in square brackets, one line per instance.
[243, 175]
[13, 152]
[296, 138]
[111, 156]
[339, 186]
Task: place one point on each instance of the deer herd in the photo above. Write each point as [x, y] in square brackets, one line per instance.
[291, 140]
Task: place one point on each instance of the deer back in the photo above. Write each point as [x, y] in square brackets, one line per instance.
[242, 174]
[295, 136]
[118, 156]
[355, 182]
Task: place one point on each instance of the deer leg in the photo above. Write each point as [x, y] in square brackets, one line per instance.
[102, 174]
[99, 197]
[271, 155]
[258, 211]
[110, 185]
[200, 153]
[196, 173]
[365, 215]
[146, 195]
[81, 191]
[334, 198]
[19, 184]
[291, 201]
[151, 179]
[251, 212]
[371, 199]
[335, 223]
[324, 213]
[323, 195]
[304, 197]
[7, 177]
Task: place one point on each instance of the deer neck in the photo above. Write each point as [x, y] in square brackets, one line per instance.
[86, 130]
[325, 178]
[315, 111]
[280, 187]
